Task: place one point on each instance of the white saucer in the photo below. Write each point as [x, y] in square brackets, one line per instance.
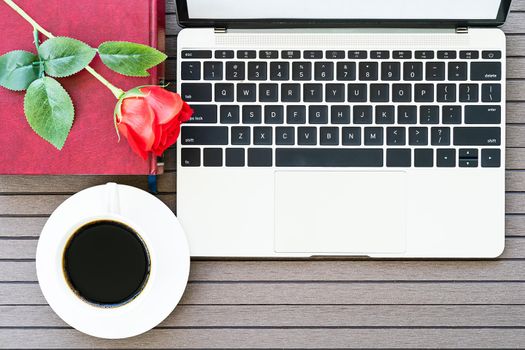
[165, 240]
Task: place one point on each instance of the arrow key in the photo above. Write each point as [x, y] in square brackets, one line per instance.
[490, 158]
[446, 158]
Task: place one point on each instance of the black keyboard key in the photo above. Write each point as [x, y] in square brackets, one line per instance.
[257, 71]
[469, 55]
[373, 136]
[468, 92]
[491, 55]
[196, 54]
[313, 54]
[395, 136]
[440, 136]
[380, 55]
[477, 136]
[251, 115]
[246, 92]
[262, 135]
[451, 114]
[212, 70]
[379, 93]
[195, 92]
[230, 114]
[307, 136]
[424, 92]
[212, 157]
[398, 157]
[407, 114]
[402, 55]
[268, 92]
[457, 71]
[204, 135]
[290, 54]
[446, 93]
[468, 153]
[401, 92]
[324, 71]
[290, 92]
[206, 114]
[313, 92]
[328, 157]
[468, 163]
[301, 71]
[390, 71]
[329, 136]
[423, 158]
[418, 136]
[273, 114]
[357, 93]
[490, 158]
[284, 136]
[241, 135]
[435, 71]
[335, 55]
[424, 55]
[485, 71]
[190, 157]
[357, 55]
[279, 70]
[296, 114]
[429, 114]
[260, 157]
[491, 93]
[446, 157]
[362, 114]
[318, 114]
[224, 54]
[385, 115]
[235, 70]
[482, 114]
[368, 71]
[335, 92]
[246, 54]
[413, 71]
[235, 157]
[340, 115]
[351, 136]
[346, 71]
[224, 92]
[268, 54]
[190, 70]
[446, 55]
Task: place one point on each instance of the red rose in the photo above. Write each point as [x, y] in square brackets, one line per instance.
[149, 117]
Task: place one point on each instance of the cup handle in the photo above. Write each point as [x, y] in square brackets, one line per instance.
[113, 198]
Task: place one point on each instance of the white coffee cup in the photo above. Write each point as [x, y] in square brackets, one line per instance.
[162, 236]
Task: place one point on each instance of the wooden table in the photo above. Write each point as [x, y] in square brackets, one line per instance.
[292, 303]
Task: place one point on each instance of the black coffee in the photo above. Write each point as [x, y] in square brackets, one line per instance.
[106, 263]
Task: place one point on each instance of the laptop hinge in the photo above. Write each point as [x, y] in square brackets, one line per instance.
[462, 30]
[219, 30]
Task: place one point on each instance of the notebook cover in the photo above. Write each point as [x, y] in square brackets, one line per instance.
[92, 146]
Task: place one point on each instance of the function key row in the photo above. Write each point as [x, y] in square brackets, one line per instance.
[340, 54]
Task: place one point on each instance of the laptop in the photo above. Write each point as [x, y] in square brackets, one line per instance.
[342, 128]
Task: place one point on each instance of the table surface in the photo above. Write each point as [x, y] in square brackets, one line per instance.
[328, 303]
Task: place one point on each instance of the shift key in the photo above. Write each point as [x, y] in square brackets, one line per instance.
[195, 92]
[204, 135]
[477, 136]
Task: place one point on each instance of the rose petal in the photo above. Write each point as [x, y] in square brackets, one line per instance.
[166, 104]
[138, 124]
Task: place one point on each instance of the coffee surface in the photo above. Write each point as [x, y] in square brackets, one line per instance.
[106, 263]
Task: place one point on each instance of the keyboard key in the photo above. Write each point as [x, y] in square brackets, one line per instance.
[380, 55]
[318, 114]
[440, 136]
[485, 71]
[446, 158]
[435, 71]
[204, 135]
[491, 55]
[424, 55]
[290, 54]
[246, 92]
[284, 136]
[273, 114]
[313, 54]
[490, 158]
[390, 71]
[398, 157]
[195, 92]
[413, 71]
[379, 93]
[307, 136]
[385, 115]
[212, 70]
[262, 135]
[224, 54]
[257, 71]
[373, 136]
[335, 92]
[346, 71]
[457, 71]
[301, 70]
[482, 114]
[368, 71]
[451, 114]
[357, 93]
[268, 54]
[260, 157]
[279, 70]
[424, 92]
[402, 55]
[329, 136]
[402, 92]
[468, 92]
[468, 153]
[196, 54]
[335, 55]
[395, 136]
[190, 70]
[235, 157]
[213, 157]
[204, 114]
[468, 163]
[428, 114]
[362, 114]
[469, 55]
[235, 70]
[224, 92]
[418, 136]
[446, 55]
[351, 136]
[491, 93]
[446, 93]
[324, 71]
[268, 92]
[296, 114]
[357, 55]
[328, 157]
[246, 54]
[230, 114]
[340, 115]
[190, 157]
[477, 136]
[313, 92]
[241, 135]
[406, 114]
[251, 115]
[290, 92]
[423, 158]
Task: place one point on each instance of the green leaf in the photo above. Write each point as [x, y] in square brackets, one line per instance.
[17, 71]
[49, 110]
[65, 56]
[129, 58]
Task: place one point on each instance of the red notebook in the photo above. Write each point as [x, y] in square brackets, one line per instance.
[92, 146]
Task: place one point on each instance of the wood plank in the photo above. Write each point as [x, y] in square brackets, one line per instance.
[515, 112]
[303, 316]
[317, 293]
[517, 5]
[271, 338]
[515, 68]
[515, 23]
[515, 158]
[170, 6]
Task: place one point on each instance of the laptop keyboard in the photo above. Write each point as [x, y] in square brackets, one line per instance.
[333, 108]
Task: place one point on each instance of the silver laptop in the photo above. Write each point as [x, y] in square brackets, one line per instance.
[342, 128]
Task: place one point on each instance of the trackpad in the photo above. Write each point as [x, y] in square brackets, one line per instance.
[340, 212]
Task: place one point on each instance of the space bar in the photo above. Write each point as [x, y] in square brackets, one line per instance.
[328, 157]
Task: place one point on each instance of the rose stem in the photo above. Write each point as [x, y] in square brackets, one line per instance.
[115, 90]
